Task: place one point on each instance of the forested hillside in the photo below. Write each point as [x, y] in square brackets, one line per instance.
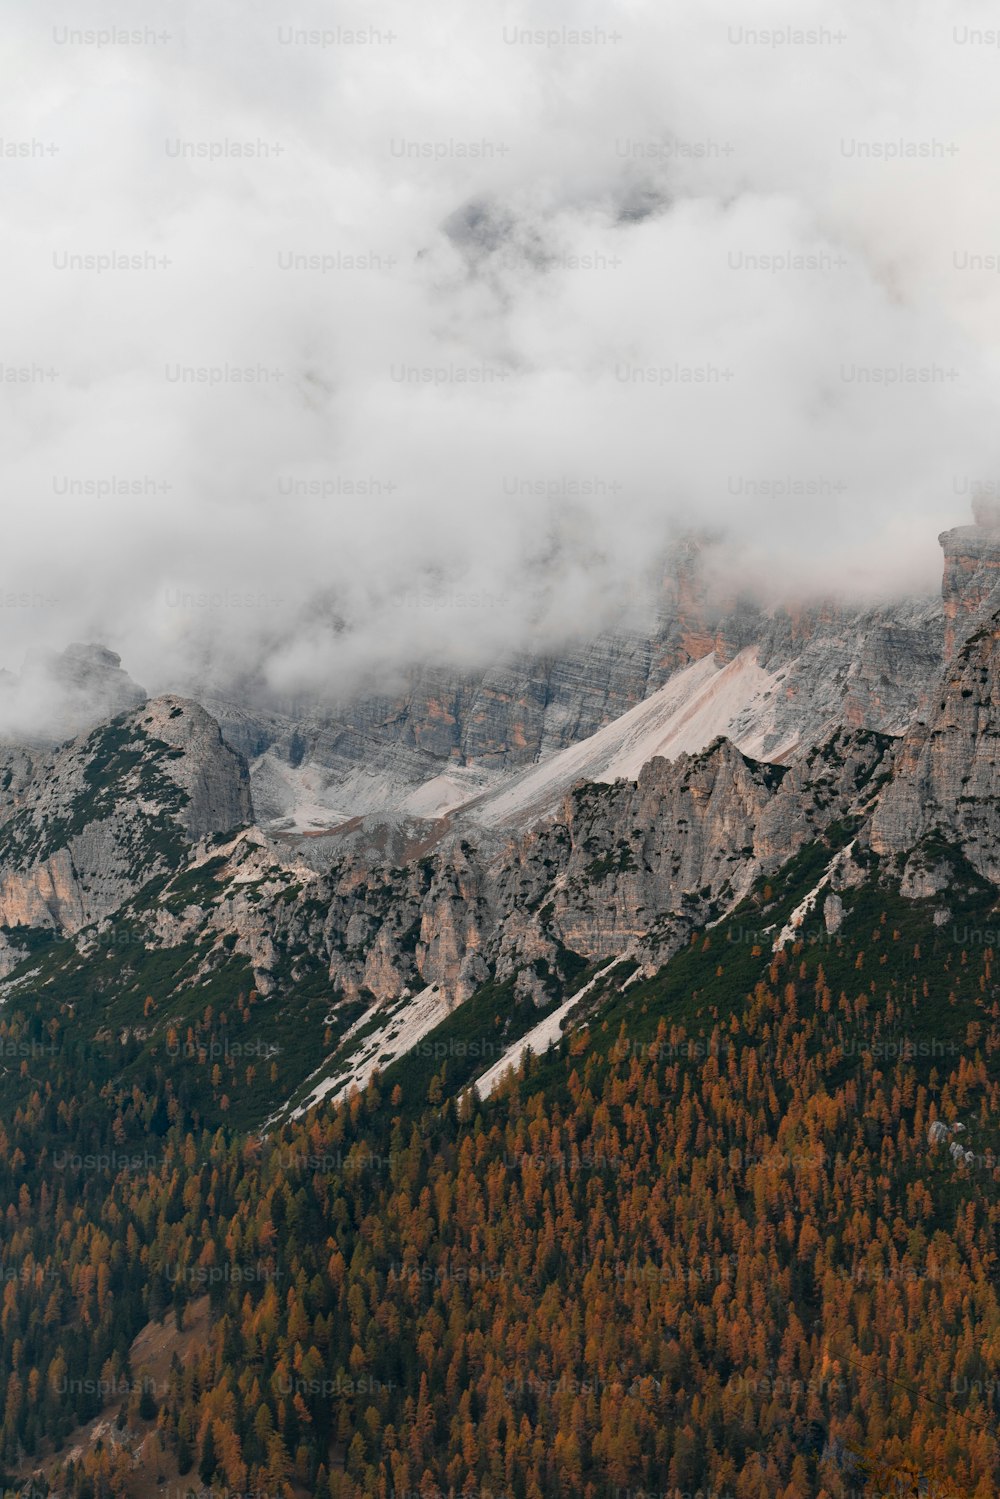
[739, 1230]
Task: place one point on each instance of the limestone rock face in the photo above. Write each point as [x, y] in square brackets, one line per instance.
[833, 913]
[212, 777]
[878, 661]
[635, 865]
[83, 829]
[947, 778]
[631, 866]
[971, 574]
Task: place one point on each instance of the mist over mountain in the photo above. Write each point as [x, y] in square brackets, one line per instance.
[331, 355]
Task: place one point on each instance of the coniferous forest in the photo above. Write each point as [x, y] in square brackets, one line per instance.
[737, 1233]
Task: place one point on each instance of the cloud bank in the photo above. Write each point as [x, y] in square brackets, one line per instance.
[340, 340]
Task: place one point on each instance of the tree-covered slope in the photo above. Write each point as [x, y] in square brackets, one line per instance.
[707, 1242]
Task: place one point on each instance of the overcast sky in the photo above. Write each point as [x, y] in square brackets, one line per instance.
[505, 266]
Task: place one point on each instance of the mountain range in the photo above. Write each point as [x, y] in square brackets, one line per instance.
[238, 922]
[602, 805]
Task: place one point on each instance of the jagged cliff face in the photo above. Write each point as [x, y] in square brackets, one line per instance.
[626, 868]
[971, 575]
[634, 867]
[630, 866]
[316, 766]
[947, 780]
[85, 828]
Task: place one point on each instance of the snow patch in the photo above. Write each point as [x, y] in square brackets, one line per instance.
[403, 1027]
[538, 1039]
[807, 905]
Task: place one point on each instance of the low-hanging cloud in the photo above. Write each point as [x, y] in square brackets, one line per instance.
[342, 340]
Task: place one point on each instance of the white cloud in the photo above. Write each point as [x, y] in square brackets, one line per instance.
[575, 213]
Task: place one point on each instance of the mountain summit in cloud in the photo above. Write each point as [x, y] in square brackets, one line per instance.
[57, 694]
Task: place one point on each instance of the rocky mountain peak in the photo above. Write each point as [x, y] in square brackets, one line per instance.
[87, 826]
[211, 774]
[947, 778]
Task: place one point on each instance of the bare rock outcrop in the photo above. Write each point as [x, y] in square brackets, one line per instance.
[629, 863]
[627, 867]
[971, 573]
[87, 827]
[947, 779]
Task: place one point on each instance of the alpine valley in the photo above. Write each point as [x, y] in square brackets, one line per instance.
[581, 1077]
